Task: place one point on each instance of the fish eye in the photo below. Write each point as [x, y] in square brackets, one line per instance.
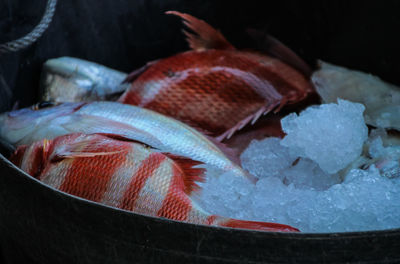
[42, 105]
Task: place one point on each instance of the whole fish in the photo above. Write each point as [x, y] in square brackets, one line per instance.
[214, 86]
[126, 175]
[28, 125]
[68, 79]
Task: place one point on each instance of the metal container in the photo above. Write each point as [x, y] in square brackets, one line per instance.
[39, 224]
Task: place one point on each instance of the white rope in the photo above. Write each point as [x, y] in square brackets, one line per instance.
[31, 37]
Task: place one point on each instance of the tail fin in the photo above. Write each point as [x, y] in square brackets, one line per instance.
[253, 225]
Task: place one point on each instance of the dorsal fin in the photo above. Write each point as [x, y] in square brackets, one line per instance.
[274, 47]
[190, 175]
[205, 37]
[89, 124]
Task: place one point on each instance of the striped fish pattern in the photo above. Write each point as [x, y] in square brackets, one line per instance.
[214, 86]
[127, 175]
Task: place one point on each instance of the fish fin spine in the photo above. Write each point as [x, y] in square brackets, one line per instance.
[279, 50]
[205, 37]
[190, 174]
[249, 119]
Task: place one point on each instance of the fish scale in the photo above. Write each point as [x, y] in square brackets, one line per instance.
[160, 184]
[139, 179]
[214, 86]
[28, 125]
[211, 88]
[119, 184]
[176, 137]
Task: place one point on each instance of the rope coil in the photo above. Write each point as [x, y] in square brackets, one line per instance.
[36, 33]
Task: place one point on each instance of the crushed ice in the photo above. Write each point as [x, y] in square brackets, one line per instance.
[326, 175]
[332, 135]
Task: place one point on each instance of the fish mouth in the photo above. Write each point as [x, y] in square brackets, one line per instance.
[65, 67]
[16, 125]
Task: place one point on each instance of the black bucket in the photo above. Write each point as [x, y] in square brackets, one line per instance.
[41, 225]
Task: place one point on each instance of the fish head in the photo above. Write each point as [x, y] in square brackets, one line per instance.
[68, 79]
[16, 126]
[63, 79]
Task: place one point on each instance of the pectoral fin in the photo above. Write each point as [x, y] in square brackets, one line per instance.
[89, 124]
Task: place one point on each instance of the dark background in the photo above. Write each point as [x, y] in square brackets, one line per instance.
[125, 34]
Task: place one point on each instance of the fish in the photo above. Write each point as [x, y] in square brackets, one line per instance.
[28, 125]
[381, 99]
[214, 86]
[126, 175]
[69, 79]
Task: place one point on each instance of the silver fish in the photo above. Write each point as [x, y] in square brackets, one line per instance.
[68, 79]
[27, 125]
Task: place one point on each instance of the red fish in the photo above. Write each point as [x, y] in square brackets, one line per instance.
[127, 175]
[214, 86]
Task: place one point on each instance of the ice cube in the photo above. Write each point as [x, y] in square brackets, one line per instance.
[307, 174]
[266, 157]
[332, 135]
